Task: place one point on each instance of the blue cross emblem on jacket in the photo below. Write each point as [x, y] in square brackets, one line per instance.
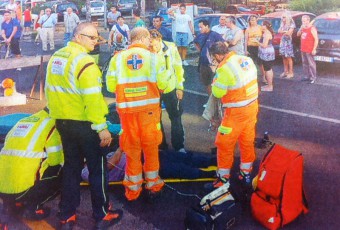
[134, 62]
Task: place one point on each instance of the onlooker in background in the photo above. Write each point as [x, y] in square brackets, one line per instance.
[47, 22]
[11, 33]
[27, 20]
[31, 162]
[252, 35]
[286, 50]
[203, 42]
[267, 54]
[12, 8]
[183, 26]
[120, 32]
[18, 11]
[234, 37]
[165, 32]
[112, 17]
[37, 26]
[221, 28]
[139, 21]
[71, 20]
[309, 43]
[172, 96]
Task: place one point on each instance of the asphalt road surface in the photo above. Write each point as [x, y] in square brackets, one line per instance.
[297, 115]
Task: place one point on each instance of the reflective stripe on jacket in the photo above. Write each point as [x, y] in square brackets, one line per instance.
[173, 63]
[236, 81]
[137, 75]
[31, 146]
[73, 87]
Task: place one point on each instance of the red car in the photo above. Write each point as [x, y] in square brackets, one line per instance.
[275, 19]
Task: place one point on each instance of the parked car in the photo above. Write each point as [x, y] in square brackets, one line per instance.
[275, 19]
[213, 19]
[281, 7]
[204, 10]
[127, 6]
[239, 9]
[96, 8]
[328, 25]
[60, 9]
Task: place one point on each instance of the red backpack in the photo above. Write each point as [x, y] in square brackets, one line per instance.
[279, 197]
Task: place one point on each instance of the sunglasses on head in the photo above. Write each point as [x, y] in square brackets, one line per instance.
[95, 38]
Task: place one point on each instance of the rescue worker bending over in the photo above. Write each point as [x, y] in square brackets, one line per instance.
[235, 83]
[173, 94]
[30, 171]
[136, 75]
[73, 92]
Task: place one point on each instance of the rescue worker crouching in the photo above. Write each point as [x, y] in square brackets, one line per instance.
[31, 162]
[136, 75]
[172, 96]
[235, 82]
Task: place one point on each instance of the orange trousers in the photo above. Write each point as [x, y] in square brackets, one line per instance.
[238, 124]
[141, 134]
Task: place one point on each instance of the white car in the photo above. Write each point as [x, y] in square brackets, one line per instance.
[96, 8]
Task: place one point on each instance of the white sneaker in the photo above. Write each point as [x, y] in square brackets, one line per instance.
[182, 150]
[185, 63]
[205, 105]
[19, 69]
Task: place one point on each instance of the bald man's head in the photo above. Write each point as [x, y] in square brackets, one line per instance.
[140, 35]
[86, 35]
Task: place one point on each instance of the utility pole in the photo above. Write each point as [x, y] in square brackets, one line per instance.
[105, 15]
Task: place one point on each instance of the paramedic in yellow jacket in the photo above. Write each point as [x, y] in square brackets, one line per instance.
[73, 92]
[172, 96]
[136, 75]
[235, 82]
[30, 165]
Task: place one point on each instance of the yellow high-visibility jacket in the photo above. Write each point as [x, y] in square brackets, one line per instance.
[136, 75]
[30, 147]
[235, 81]
[73, 87]
[174, 65]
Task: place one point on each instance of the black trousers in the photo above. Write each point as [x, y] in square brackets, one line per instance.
[15, 47]
[174, 109]
[45, 189]
[79, 142]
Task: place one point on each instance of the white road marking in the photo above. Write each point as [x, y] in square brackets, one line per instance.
[280, 110]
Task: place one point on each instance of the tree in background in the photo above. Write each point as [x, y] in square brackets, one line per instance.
[219, 4]
[315, 6]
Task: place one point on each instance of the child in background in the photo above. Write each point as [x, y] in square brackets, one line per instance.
[27, 21]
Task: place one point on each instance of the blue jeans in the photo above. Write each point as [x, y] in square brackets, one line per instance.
[67, 37]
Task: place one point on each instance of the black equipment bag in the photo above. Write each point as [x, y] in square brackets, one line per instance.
[217, 210]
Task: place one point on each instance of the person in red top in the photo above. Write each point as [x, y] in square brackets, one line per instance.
[309, 42]
[27, 20]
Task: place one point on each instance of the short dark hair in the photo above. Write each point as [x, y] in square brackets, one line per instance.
[182, 5]
[136, 12]
[204, 22]
[160, 17]
[7, 12]
[218, 48]
[120, 17]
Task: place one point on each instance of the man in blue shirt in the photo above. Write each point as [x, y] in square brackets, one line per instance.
[157, 24]
[203, 42]
[11, 33]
